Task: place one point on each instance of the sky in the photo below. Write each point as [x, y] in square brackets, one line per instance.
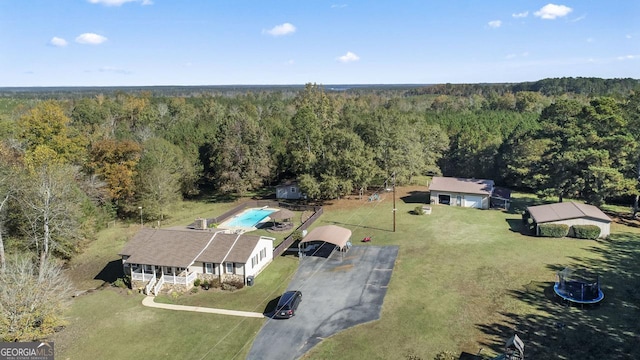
[265, 42]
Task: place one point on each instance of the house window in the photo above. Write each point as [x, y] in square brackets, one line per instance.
[293, 189]
[208, 268]
[148, 269]
[229, 267]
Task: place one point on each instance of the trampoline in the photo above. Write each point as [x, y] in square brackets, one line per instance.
[578, 287]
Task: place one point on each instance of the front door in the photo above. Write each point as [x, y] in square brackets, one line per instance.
[458, 200]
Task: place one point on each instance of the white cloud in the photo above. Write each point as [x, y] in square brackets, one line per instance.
[579, 18]
[495, 23]
[348, 57]
[522, 55]
[58, 42]
[523, 14]
[90, 39]
[629, 36]
[280, 30]
[553, 11]
[629, 57]
[119, 2]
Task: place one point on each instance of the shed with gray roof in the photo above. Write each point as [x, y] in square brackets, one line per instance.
[570, 213]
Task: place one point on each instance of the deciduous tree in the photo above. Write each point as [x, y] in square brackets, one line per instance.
[33, 299]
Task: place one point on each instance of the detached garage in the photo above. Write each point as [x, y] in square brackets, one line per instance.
[570, 213]
[471, 193]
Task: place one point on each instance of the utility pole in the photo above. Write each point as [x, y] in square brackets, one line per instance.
[394, 201]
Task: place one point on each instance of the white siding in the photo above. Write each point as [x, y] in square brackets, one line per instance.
[434, 198]
[266, 246]
[239, 268]
[291, 192]
[196, 267]
[605, 227]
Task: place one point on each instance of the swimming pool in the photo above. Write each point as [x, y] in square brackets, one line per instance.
[249, 218]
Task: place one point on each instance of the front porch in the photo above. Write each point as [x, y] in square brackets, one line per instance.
[154, 278]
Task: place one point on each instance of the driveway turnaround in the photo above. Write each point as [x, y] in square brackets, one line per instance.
[148, 301]
[336, 295]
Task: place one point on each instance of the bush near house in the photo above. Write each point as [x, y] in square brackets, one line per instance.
[554, 230]
[590, 232]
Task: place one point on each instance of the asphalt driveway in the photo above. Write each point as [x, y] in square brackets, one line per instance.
[336, 294]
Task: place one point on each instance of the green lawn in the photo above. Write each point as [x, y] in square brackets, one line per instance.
[464, 280]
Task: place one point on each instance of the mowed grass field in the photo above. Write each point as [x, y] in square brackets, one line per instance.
[464, 280]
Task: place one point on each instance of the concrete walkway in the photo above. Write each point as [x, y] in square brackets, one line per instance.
[148, 301]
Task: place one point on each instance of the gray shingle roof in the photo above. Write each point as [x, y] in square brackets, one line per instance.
[165, 247]
[221, 245]
[565, 211]
[461, 185]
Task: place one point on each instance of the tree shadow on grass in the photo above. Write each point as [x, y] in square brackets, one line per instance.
[111, 272]
[516, 225]
[554, 329]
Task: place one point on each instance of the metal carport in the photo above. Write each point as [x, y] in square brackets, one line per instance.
[332, 234]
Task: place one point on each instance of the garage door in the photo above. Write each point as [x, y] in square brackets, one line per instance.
[473, 201]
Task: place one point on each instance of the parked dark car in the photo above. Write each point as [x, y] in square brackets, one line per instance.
[288, 304]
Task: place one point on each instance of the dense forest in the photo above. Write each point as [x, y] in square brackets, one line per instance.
[72, 159]
[101, 153]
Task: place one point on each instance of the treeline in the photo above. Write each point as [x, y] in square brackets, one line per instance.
[549, 87]
[106, 156]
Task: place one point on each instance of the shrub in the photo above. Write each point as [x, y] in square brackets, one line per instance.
[446, 355]
[591, 232]
[122, 282]
[418, 210]
[194, 290]
[228, 287]
[297, 235]
[554, 230]
[197, 282]
[215, 283]
[205, 284]
[232, 285]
